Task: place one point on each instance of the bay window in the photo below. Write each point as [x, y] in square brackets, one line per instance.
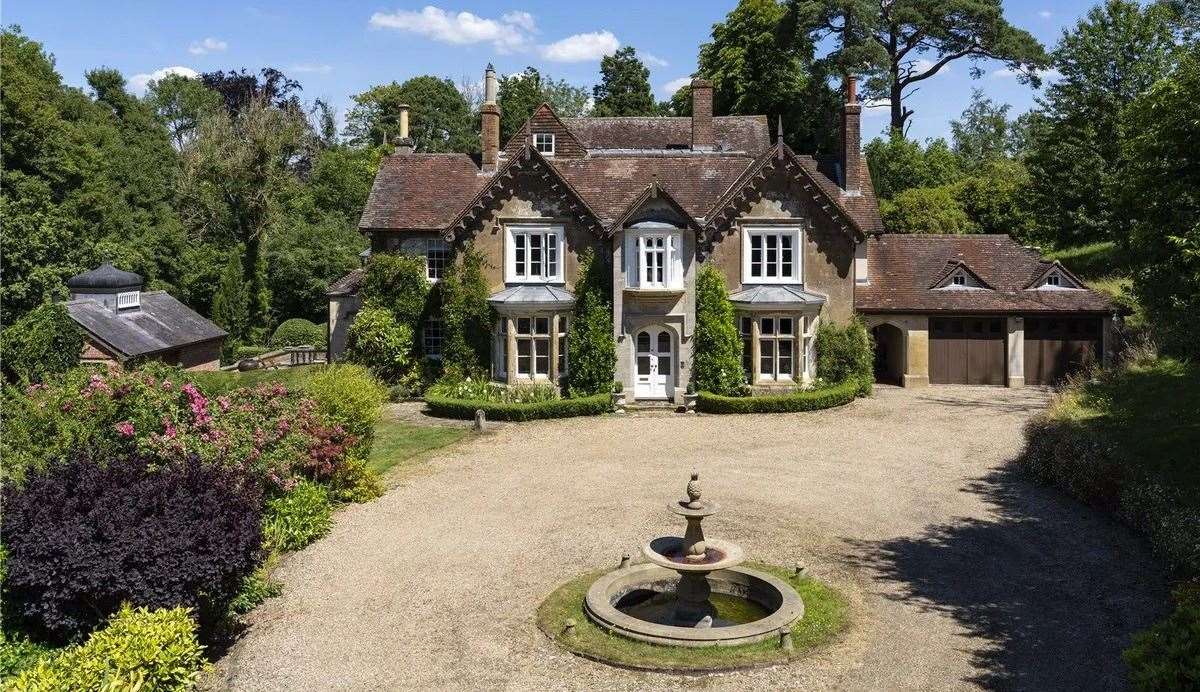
[533, 347]
[654, 257]
[537, 345]
[771, 254]
[534, 254]
[776, 348]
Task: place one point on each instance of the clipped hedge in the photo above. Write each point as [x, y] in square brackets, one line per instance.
[556, 408]
[808, 400]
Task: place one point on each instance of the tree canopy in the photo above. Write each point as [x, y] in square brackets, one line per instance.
[624, 87]
[522, 92]
[439, 120]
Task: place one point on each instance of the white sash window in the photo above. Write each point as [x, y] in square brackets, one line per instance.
[771, 255]
[654, 257]
[534, 254]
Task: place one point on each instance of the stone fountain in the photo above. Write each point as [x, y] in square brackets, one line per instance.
[693, 591]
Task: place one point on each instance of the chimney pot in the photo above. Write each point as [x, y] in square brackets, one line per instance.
[405, 145]
[703, 138]
[489, 121]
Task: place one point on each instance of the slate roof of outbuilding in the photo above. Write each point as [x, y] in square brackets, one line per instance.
[161, 323]
[903, 268]
[349, 283]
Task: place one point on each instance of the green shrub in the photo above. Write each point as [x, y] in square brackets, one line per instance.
[298, 518]
[591, 350]
[1167, 656]
[846, 352]
[45, 341]
[555, 408]
[241, 352]
[18, 652]
[397, 283]
[140, 649]
[716, 347]
[298, 332]
[468, 316]
[256, 588]
[378, 341]
[356, 482]
[349, 396]
[805, 400]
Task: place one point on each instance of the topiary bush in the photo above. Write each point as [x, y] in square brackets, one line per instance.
[806, 400]
[140, 649]
[846, 352]
[87, 535]
[298, 332]
[299, 517]
[1167, 656]
[349, 396]
[43, 342]
[591, 349]
[551, 408]
[716, 347]
[379, 342]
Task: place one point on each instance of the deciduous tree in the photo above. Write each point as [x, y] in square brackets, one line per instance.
[624, 87]
[439, 120]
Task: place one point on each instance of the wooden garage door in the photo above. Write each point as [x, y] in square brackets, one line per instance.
[966, 350]
[1058, 346]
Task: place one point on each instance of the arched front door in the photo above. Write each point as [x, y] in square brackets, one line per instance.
[655, 364]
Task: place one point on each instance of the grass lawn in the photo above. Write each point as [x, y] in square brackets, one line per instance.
[397, 441]
[1150, 413]
[215, 382]
[826, 614]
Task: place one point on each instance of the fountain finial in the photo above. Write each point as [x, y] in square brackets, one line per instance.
[693, 492]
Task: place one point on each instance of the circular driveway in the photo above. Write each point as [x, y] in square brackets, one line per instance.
[960, 574]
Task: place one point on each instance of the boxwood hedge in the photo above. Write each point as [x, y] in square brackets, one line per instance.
[809, 400]
[556, 408]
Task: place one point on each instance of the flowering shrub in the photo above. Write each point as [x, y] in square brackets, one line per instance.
[493, 392]
[273, 433]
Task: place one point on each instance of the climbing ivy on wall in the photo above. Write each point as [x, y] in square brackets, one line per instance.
[468, 318]
[591, 349]
[716, 348]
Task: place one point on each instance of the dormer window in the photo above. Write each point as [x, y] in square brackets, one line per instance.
[959, 280]
[533, 254]
[544, 143]
[771, 255]
[1054, 280]
[129, 300]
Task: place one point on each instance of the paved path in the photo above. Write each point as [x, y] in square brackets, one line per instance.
[960, 574]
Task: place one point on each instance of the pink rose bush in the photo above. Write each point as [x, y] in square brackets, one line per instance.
[274, 434]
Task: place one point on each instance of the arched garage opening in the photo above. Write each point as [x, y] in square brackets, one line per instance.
[889, 354]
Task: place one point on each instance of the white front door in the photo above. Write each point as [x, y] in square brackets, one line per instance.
[655, 363]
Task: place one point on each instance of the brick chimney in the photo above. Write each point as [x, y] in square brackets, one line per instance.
[702, 115]
[851, 144]
[405, 145]
[489, 116]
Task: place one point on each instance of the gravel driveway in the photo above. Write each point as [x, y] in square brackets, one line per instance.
[960, 574]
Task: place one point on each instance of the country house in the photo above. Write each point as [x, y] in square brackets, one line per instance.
[798, 239]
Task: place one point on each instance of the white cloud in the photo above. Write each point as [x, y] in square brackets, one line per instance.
[675, 85]
[1045, 75]
[459, 28]
[521, 19]
[311, 68]
[207, 45]
[581, 47]
[654, 60]
[1045, 14]
[139, 82]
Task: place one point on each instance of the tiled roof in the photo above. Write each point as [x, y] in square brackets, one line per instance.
[160, 323]
[741, 133]
[863, 206]
[609, 183]
[421, 191]
[902, 269]
[347, 284]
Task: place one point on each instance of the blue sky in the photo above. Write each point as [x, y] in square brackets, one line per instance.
[336, 49]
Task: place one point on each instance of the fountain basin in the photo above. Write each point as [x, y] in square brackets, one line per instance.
[668, 551]
[762, 592]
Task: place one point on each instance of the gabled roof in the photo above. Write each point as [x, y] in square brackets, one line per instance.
[160, 324]
[903, 268]
[953, 267]
[544, 119]
[421, 191]
[826, 195]
[746, 134]
[1054, 266]
[526, 159]
[653, 191]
